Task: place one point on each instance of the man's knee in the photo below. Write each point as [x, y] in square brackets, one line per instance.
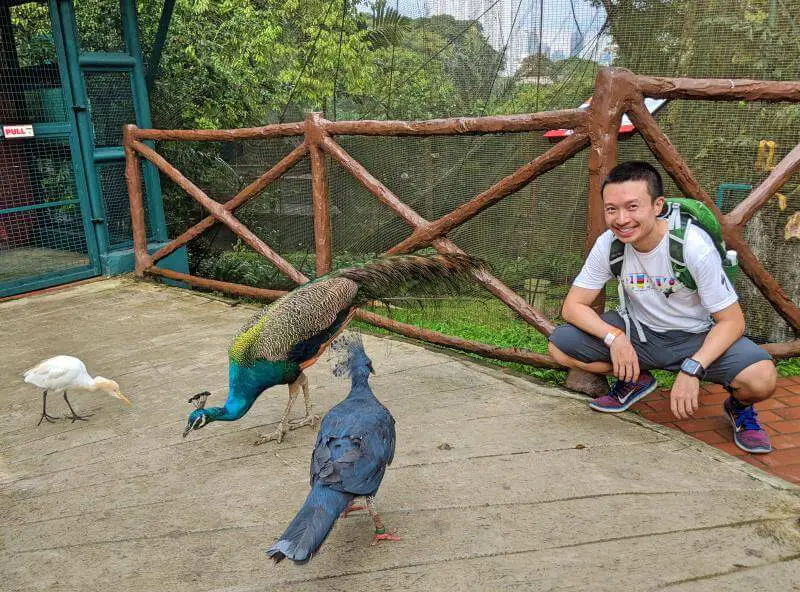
[758, 381]
[559, 356]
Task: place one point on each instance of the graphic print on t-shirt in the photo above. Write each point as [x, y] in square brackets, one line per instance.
[641, 282]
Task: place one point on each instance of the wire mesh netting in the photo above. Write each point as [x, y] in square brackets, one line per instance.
[421, 59]
[41, 228]
[117, 206]
[110, 105]
[99, 25]
[30, 83]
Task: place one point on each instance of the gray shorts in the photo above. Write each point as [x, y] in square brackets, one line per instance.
[664, 351]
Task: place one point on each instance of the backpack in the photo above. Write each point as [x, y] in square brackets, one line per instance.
[681, 213]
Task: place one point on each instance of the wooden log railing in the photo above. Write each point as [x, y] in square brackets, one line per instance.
[617, 91]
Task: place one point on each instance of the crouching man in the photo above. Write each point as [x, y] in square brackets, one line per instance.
[661, 322]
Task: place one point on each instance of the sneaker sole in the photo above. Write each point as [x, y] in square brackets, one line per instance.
[740, 446]
[628, 403]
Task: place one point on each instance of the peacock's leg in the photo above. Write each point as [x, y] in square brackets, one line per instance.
[381, 534]
[310, 418]
[75, 416]
[283, 426]
[49, 418]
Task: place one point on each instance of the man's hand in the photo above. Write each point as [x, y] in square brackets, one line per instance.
[624, 359]
[683, 396]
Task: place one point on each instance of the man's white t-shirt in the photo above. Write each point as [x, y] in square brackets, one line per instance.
[654, 295]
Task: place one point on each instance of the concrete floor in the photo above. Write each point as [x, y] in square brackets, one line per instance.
[498, 483]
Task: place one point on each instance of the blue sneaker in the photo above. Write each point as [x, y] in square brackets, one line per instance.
[625, 394]
[747, 432]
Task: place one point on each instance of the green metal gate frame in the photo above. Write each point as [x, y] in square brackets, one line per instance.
[73, 66]
[66, 130]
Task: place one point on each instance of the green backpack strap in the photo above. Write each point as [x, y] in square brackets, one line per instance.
[679, 224]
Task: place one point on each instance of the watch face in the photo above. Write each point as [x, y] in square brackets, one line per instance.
[691, 367]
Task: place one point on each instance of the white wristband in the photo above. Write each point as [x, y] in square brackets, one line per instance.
[610, 337]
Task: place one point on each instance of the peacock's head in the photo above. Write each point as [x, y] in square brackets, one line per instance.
[199, 417]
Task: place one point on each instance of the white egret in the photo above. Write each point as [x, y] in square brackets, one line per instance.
[66, 372]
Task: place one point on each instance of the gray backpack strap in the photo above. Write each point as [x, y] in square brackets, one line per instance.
[615, 258]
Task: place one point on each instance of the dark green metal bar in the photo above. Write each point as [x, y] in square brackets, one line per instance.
[109, 154]
[62, 19]
[46, 280]
[50, 204]
[48, 130]
[99, 59]
[158, 44]
[141, 106]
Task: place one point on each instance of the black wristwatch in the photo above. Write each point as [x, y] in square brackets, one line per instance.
[693, 368]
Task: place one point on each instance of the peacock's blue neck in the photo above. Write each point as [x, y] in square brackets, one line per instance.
[247, 382]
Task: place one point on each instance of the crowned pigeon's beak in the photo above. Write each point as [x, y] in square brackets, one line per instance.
[371, 369]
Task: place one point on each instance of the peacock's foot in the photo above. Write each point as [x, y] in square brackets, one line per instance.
[351, 508]
[75, 417]
[389, 535]
[277, 435]
[308, 420]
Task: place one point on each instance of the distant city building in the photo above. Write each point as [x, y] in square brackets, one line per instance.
[575, 43]
[512, 26]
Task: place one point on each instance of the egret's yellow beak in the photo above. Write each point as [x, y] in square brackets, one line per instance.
[122, 398]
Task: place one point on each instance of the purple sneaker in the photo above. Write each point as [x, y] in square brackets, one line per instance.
[625, 394]
[747, 432]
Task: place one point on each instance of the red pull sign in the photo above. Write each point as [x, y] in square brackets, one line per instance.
[18, 131]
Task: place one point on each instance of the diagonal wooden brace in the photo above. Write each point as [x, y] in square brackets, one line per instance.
[253, 189]
[220, 213]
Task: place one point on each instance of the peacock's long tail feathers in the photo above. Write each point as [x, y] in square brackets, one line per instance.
[387, 276]
[312, 524]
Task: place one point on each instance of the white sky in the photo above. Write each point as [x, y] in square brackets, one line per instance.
[558, 23]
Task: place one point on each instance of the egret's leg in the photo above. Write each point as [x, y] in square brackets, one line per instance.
[75, 416]
[49, 418]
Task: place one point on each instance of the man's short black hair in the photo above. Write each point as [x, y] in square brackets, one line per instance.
[636, 170]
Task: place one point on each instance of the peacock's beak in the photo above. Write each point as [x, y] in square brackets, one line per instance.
[188, 429]
[122, 398]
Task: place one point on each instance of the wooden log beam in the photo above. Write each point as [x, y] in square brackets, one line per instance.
[782, 172]
[556, 155]
[253, 189]
[133, 178]
[220, 213]
[722, 89]
[319, 195]
[787, 349]
[496, 124]
[278, 130]
[217, 286]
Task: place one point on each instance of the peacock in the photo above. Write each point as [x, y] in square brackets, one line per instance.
[287, 336]
[355, 444]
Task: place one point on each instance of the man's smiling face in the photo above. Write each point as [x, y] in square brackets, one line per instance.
[630, 211]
